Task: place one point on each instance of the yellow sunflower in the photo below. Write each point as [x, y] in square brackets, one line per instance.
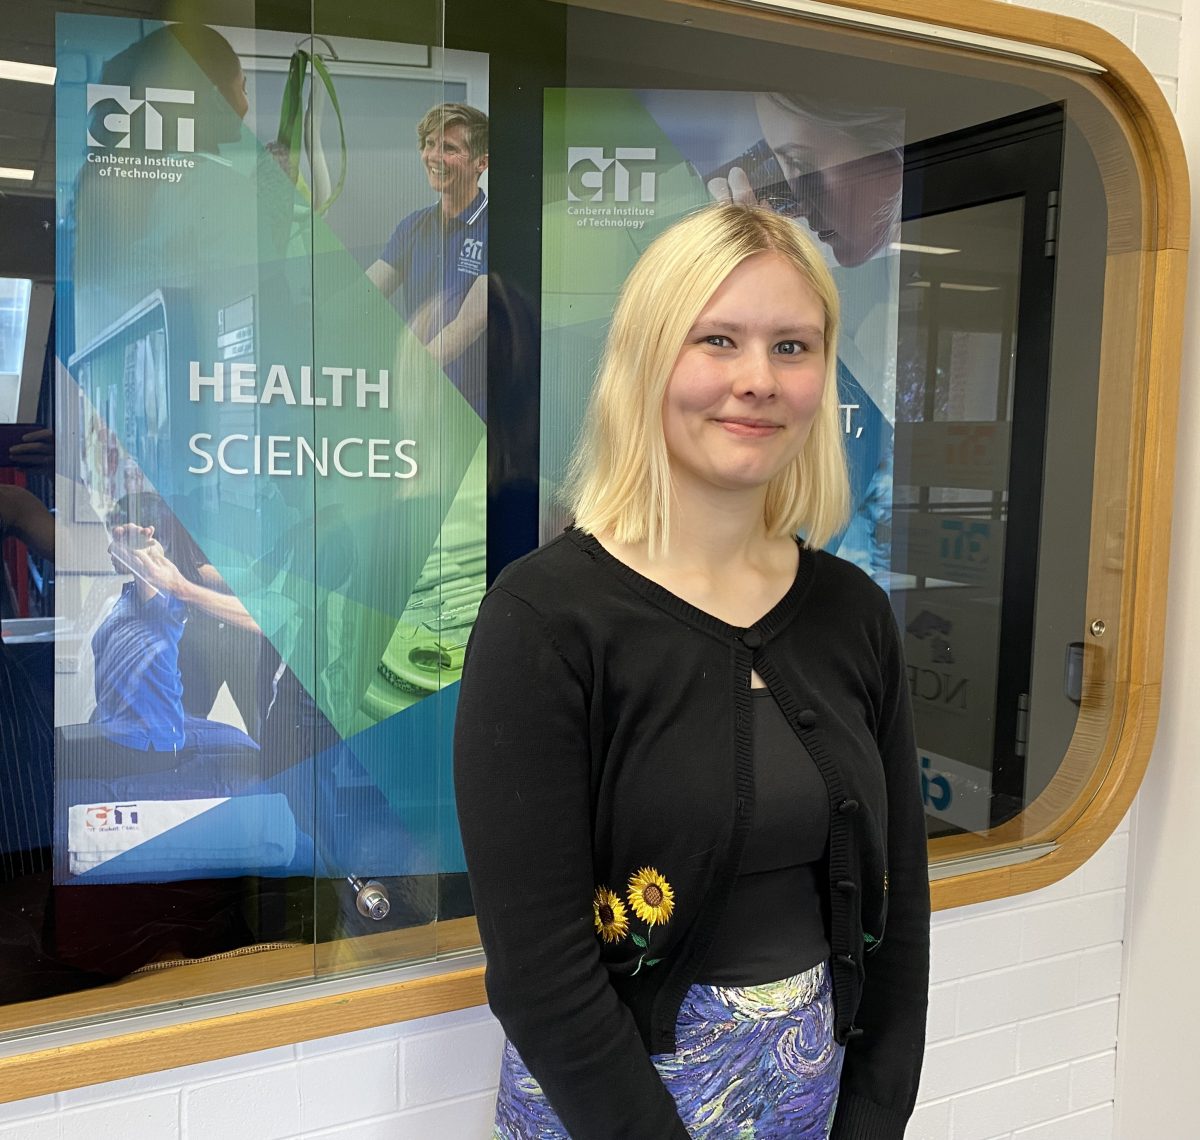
[651, 896]
[612, 919]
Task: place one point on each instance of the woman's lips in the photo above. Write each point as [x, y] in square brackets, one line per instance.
[749, 429]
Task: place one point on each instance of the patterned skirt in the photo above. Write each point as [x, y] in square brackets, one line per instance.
[751, 1063]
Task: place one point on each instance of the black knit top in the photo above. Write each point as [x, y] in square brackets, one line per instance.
[774, 925]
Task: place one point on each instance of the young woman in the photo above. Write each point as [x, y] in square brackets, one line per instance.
[684, 758]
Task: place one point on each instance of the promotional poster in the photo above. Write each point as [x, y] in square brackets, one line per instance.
[272, 408]
[622, 166]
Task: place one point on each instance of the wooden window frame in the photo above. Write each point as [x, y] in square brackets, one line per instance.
[1078, 812]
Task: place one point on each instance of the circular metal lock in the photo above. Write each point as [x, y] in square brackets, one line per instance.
[1098, 627]
[372, 901]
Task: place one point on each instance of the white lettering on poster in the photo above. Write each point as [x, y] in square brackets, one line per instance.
[351, 457]
[238, 383]
[595, 172]
[113, 107]
[283, 455]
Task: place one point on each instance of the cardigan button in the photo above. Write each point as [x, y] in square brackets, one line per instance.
[848, 807]
[752, 639]
[846, 959]
[853, 1032]
[807, 718]
[846, 886]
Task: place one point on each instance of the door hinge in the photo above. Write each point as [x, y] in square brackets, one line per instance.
[1051, 223]
[1021, 744]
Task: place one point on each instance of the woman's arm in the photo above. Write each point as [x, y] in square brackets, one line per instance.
[882, 1068]
[155, 571]
[522, 767]
[465, 328]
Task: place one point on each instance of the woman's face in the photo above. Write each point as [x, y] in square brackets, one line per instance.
[748, 380]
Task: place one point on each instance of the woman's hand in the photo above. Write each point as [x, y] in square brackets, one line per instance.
[136, 551]
[35, 452]
[735, 188]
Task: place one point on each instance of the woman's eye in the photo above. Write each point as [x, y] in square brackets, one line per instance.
[717, 340]
[789, 347]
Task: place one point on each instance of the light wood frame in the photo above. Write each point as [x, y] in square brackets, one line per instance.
[1147, 260]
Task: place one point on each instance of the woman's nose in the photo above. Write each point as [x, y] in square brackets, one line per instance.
[755, 376]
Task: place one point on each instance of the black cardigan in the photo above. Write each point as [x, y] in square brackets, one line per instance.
[603, 728]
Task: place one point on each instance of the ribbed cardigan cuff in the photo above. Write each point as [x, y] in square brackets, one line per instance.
[859, 1119]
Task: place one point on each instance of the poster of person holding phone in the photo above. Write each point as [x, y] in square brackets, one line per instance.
[139, 685]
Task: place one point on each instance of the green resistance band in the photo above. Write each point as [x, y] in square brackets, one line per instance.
[291, 118]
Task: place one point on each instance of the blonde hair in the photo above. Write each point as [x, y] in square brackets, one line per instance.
[619, 482]
[445, 115]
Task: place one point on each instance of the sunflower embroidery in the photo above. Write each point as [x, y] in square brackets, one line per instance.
[651, 897]
[612, 919]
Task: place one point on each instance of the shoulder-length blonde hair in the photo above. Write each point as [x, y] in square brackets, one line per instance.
[619, 482]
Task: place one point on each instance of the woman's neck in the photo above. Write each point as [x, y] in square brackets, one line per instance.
[721, 560]
[714, 545]
[714, 529]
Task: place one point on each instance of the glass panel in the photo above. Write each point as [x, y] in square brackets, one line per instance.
[180, 831]
[201, 589]
[954, 206]
[958, 345]
[400, 293]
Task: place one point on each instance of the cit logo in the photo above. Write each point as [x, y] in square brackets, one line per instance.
[935, 788]
[472, 249]
[115, 116]
[610, 173]
[101, 816]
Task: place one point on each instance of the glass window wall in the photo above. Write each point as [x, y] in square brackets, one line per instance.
[329, 283]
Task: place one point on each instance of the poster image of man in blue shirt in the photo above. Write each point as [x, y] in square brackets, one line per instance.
[437, 256]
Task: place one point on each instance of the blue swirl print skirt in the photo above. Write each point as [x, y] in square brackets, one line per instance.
[751, 1063]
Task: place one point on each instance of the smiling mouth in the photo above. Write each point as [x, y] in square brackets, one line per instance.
[749, 428]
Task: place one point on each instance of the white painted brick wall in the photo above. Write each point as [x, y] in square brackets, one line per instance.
[1023, 1011]
[1022, 1023]
[430, 1078]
